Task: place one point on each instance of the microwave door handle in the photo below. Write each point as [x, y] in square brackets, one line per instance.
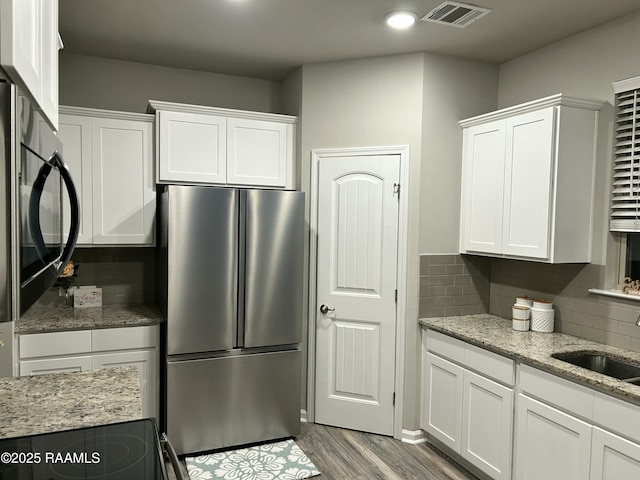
[74, 203]
[34, 211]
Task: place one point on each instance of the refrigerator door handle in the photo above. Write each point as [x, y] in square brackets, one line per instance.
[242, 243]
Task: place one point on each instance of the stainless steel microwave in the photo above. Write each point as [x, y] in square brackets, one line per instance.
[44, 181]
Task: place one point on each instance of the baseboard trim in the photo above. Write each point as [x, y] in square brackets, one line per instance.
[413, 436]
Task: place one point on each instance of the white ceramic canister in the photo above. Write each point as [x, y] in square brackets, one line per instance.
[542, 316]
[524, 300]
[520, 317]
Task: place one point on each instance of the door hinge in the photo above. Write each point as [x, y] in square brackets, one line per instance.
[393, 402]
[396, 295]
[396, 189]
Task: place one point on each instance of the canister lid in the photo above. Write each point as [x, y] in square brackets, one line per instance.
[542, 304]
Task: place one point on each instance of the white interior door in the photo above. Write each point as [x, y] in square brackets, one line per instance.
[356, 282]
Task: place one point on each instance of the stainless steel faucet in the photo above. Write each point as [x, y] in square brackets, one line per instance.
[638, 320]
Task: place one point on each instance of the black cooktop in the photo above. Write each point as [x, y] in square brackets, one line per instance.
[123, 451]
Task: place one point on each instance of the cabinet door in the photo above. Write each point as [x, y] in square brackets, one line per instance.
[482, 188]
[21, 45]
[257, 152]
[442, 397]
[55, 365]
[146, 363]
[528, 184]
[487, 425]
[613, 457]
[192, 148]
[75, 133]
[124, 200]
[49, 74]
[550, 444]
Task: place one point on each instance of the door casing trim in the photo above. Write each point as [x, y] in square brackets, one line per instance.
[401, 274]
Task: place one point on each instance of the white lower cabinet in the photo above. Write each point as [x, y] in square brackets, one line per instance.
[613, 457]
[569, 431]
[83, 350]
[442, 410]
[470, 413]
[550, 444]
[487, 425]
[540, 426]
[147, 364]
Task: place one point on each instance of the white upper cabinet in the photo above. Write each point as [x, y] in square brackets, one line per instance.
[528, 181]
[257, 152]
[192, 147]
[110, 155]
[29, 46]
[207, 145]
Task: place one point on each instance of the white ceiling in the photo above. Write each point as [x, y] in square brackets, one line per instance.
[269, 39]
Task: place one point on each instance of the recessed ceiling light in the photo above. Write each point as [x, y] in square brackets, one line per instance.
[401, 19]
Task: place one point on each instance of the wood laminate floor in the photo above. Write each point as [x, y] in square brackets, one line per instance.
[342, 454]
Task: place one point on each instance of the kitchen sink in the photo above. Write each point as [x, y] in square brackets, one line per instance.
[603, 363]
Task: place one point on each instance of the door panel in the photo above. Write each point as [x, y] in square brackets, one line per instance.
[202, 266]
[487, 423]
[273, 268]
[442, 410]
[192, 148]
[549, 443]
[256, 152]
[528, 180]
[241, 399]
[483, 177]
[613, 457]
[357, 260]
[75, 133]
[120, 156]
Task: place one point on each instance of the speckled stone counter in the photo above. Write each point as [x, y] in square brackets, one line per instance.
[61, 401]
[55, 319]
[532, 348]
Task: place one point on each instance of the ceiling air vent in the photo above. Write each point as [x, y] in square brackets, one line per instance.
[455, 14]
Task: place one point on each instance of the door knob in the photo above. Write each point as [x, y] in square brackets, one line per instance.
[324, 309]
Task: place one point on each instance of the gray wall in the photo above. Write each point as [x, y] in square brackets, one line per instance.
[117, 85]
[453, 89]
[371, 102]
[582, 65]
[416, 100]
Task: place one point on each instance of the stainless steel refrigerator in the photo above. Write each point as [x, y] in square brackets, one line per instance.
[230, 267]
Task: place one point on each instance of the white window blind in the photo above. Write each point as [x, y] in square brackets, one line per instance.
[625, 191]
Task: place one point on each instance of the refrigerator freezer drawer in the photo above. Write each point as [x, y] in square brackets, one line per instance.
[234, 400]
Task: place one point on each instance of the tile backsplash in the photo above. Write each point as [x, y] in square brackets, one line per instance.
[577, 312]
[453, 285]
[126, 275]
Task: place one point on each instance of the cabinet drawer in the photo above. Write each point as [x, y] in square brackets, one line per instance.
[124, 338]
[80, 363]
[474, 358]
[490, 364]
[617, 415]
[445, 346]
[559, 392]
[55, 343]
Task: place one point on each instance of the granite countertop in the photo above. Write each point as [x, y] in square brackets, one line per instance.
[41, 319]
[532, 348]
[61, 401]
